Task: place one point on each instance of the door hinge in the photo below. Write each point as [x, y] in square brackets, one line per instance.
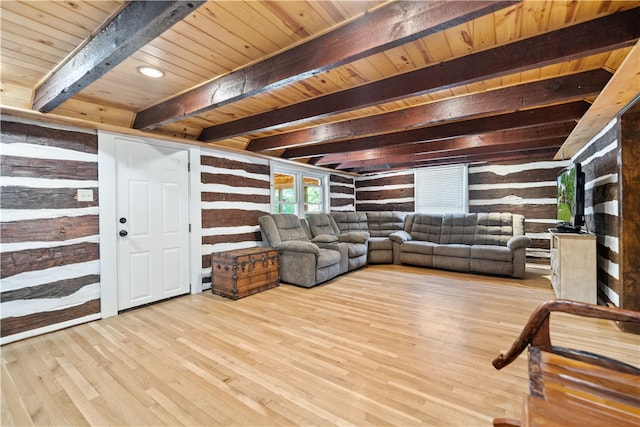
[189, 167]
[189, 228]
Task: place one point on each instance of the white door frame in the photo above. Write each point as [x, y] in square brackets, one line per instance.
[107, 183]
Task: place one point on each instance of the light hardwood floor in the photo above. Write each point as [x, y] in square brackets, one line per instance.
[385, 345]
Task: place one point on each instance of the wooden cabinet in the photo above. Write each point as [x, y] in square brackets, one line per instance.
[574, 266]
[238, 273]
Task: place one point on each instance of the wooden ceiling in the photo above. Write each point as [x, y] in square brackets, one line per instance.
[357, 86]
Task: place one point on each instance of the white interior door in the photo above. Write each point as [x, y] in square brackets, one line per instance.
[153, 223]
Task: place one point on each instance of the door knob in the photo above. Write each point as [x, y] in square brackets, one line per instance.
[123, 220]
[123, 233]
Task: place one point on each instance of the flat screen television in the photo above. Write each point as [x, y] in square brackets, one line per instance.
[570, 210]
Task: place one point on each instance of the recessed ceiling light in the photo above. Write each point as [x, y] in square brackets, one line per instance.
[150, 72]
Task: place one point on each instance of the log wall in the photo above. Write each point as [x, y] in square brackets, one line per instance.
[386, 191]
[599, 160]
[50, 241]
[49, 256]
[342, 193]
[629, 229]
[235, 192]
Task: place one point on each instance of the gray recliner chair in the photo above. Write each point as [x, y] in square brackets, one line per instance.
[352, 244]
[302, 262]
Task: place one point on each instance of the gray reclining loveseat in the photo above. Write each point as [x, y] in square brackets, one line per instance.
[302, 262]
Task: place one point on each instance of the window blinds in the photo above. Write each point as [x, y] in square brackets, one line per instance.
[441, 189]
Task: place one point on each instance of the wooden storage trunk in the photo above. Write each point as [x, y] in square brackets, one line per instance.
[238, 273]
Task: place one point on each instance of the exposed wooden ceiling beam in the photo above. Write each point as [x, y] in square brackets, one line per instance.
[497, 101]
[610, 32]
[522, 136]
[621, 91]
[384, 28]
[544, 149]
[532, 156]
[519, 119]
[135, 26]
[456, 149]
[543, 92]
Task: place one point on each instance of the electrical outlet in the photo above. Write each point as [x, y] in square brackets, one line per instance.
[85, 195]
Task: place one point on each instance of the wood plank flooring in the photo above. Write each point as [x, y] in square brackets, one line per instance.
[385, 345]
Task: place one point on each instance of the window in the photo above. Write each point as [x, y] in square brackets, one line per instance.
[284, 193]
[312, 189]
[299, 193]
[441, 189]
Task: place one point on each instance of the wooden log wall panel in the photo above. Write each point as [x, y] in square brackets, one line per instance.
[43, 168]
[226, 163]
[61, 288]
[523, 188]
[230, 197]
[50, 241]
[34, 198]
[24, 133]
[49, 229]
[235, 192]
[342, 193]
[630, 220]
[229, 217]
[12, 325]
[386, 191]
[40, 259]
[600, 163]
[394, 193]
[233, 181]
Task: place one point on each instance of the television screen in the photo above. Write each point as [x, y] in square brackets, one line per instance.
[567, 196]
[570, 193]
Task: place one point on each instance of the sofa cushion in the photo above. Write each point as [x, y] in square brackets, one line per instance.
[501, 268]
[426, 227]
[494, 228]
[357, 249]
[491, 252]
[418, 247]
[452, 263]
[289, 227]
[380, 244]
[327, 257]
[458, 228]
[322, 224]
[351, 221]
[381, 224]
[452, 250]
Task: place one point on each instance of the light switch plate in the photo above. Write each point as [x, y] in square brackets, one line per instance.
[85, 195]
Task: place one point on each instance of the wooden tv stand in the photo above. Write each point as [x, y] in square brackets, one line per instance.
[574, 266]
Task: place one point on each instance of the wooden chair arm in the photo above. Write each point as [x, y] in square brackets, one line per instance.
[536, 331]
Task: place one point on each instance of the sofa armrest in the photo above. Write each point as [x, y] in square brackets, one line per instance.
[400, 236]
[299, 246]
[354, 237]
[517, 242]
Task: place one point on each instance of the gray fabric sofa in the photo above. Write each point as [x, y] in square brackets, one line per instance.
[323, 246]
[379, 225]
[352, 245]
[302, 262]
[491, 243]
